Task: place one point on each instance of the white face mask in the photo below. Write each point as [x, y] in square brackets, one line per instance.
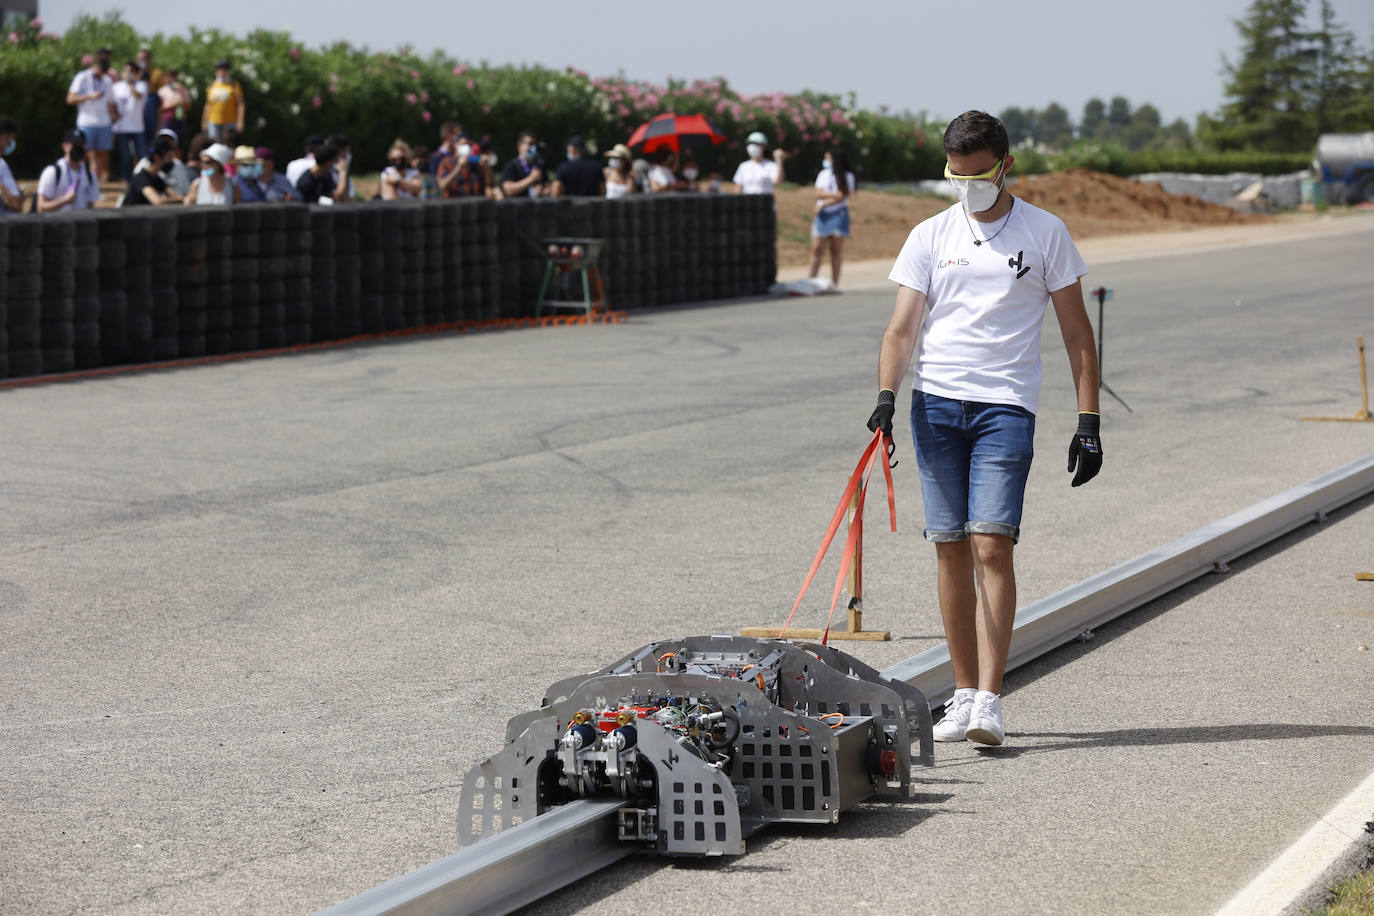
[464, 150]
[827, 165]
[977, 195]
[690, 174]
[755, 151]
[616, 162]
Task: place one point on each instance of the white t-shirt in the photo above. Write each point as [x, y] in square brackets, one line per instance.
[756, 177]
[980, 340]
[826, 182]
[130, 109]
[7, 182]
[58, 178]
[661, 175]
[93, 113]
[298, 167]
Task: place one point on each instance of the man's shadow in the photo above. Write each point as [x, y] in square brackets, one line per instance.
[1190, 734]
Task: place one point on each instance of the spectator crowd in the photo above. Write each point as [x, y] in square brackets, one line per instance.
[143, 113]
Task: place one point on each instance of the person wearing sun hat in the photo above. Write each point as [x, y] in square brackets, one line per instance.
[756, 175]
[214, 187]
[619, 178]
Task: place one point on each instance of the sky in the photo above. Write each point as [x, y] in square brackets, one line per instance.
[939, 58]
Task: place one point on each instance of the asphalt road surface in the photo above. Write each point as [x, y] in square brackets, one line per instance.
[256, 619]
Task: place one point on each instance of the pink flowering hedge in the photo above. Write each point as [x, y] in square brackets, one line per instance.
[373, 97]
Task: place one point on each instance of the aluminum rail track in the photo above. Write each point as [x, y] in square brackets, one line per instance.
[524, 863]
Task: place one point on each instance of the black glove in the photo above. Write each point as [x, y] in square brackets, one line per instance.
[882, 414]
[1085, 450]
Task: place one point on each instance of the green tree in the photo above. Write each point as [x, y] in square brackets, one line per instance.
[1335, 81]
[1053, 126]
[1143, 130]
[1094, 116]
[1118, 114]
[1268, 87]
[1020, 124]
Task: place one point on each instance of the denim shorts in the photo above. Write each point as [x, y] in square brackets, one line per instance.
[98, 138]
[974, 459]
[831, 225]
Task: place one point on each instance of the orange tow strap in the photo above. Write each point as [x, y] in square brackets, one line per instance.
[858, 481]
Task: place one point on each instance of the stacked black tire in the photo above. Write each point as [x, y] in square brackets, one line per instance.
[56, 306]
[23, 303]
[347, 273]
[271, 276]
[166, 311]
[388, 284]
[86, 297]
[371, 264]
[113, 279]
[324, 314]
[4, 295]
[219, 286]
[191, 280]
[449, 255]
[412, 264]
[298, 282]
[245, 272]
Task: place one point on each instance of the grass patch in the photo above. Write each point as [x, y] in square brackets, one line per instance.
[1353, 896]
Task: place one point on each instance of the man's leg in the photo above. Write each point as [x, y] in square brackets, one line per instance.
[992, 567]
[955, 568]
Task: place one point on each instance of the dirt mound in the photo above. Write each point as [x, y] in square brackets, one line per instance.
[1089, 203]
[1092, 203]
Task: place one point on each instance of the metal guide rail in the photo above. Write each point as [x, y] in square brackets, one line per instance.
[679, 746]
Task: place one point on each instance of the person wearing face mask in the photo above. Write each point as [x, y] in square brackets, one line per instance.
[148, 187]
[580, 176]
[830, 225]
[258, 179]
[756, 175]
[399, 180]
[619, 180]
[214, 186]
[429, 186]
[461, 173]
[69, 183]
[11, 198]
[343, 167]
[173, 170]
[524, 175]
[973, 285]
[690, 173]
[91, 93]
[662, 175]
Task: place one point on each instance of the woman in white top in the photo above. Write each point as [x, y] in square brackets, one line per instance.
[830, 227]
[400, 180]
[213, 187]
[619, 180]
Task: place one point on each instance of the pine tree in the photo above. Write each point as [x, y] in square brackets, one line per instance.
[1094, 116]
[1269, 86]
[1335, 91]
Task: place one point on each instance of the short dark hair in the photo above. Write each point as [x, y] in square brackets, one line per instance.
[7, 125]
[326, 153]
[525, 135]
[163, 146]
[339, 142]
[313, 142]
[974, 131]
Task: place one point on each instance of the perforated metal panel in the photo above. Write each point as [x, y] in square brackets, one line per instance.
[503, 790]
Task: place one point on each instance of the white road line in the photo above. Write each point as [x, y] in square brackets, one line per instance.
[1278, 886]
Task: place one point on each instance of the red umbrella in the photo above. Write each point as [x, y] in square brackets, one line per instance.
[674, 131]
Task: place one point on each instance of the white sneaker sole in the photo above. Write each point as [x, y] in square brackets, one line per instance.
[950, 738]
[981, 734]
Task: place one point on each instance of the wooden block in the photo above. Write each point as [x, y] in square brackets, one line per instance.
[1365, 577]
[813, 635]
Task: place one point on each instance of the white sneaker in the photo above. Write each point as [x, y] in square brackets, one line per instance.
[955, 721]
[985, 719]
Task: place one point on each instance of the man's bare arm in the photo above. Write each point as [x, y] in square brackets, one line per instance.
[899, 340]
[1078, 342]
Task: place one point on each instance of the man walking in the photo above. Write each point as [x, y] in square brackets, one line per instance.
[981, 274]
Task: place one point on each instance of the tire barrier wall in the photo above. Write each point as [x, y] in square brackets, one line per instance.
[102, 288]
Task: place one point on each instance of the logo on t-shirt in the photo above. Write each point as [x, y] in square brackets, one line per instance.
[951, 262]
[1015, 264]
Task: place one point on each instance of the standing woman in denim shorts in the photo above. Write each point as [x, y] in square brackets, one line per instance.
[975, 281]
[830, 225]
